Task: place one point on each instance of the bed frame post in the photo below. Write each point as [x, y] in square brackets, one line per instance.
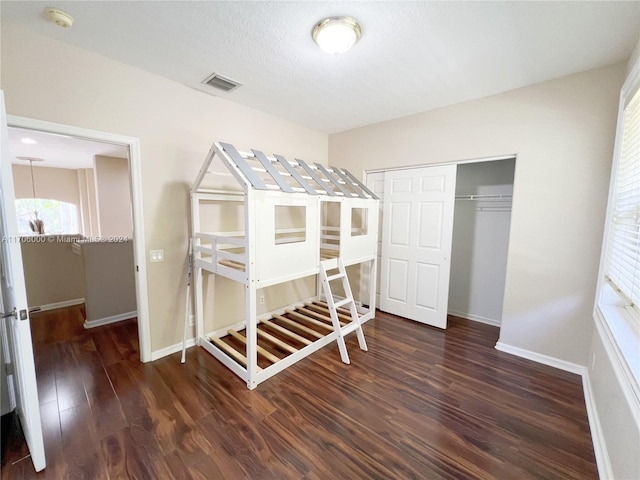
[250, 289]
[197, 271]
[373, 286]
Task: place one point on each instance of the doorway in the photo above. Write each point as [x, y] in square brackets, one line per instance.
[468, 274]
[135, 188]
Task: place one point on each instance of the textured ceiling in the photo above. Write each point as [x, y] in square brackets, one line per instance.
[412, 57]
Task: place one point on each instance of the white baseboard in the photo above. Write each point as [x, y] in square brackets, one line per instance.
[475, 318]
[170, 350]
[53, 306]
[597, 436]
[107, 320]
[544, 359]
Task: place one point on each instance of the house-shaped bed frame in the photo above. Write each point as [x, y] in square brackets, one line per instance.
[337, 222]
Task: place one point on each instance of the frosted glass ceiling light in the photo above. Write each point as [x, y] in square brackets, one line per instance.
[336, 35]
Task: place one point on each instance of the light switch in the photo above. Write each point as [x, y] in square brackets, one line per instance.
[156, 256]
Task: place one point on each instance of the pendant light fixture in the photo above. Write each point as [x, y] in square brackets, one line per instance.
[36, 225]
[336, 35]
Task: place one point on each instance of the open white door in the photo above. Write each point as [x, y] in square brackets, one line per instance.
[15, 309]
[417, 229]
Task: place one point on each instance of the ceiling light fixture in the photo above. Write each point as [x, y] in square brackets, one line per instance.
[28, 141]
[36, 224]
[59, 17]
[336, 35]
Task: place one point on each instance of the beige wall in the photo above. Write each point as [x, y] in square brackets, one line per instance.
[55, 183]
[562, 132]
[176, 126]
[635, 56]
[88, 207]
[110, 279]
[113, 196]
[52, 272]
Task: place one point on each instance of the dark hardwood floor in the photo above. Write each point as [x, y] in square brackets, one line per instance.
[421, 403]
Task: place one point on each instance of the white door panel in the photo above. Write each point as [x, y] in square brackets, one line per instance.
[401, 185]
[400, 221]
[14, 299]
[430, 225]
[397, 290]
[417, 230]
[427, 285]
[432, 183]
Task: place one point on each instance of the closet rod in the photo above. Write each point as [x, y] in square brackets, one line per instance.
[503, 197]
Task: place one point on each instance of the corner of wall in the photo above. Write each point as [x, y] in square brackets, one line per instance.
[635, 56]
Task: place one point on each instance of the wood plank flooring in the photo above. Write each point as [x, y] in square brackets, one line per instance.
[421, 403]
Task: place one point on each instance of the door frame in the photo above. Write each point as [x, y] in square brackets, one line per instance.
[135, 186]
[513, 156]
[439, 164]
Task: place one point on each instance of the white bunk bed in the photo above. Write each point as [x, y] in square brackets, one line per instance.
[298, 220]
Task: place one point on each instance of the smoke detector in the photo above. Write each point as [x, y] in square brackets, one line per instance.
[60, 18]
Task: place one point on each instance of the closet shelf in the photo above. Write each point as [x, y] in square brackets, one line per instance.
[501, 197]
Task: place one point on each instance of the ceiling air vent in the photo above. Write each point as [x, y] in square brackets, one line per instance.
[221, 83]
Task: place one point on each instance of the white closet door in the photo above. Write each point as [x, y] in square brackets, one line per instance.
[417, 230]
[375, 182]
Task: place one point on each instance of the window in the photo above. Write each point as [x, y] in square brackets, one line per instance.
[622, 269]
[618, 304]
[359, 221]
[290, 224]
[58, 217]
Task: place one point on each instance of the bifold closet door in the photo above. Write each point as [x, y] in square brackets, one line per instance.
[417, 229]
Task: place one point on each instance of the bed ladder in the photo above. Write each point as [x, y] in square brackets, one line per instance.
[354, 325]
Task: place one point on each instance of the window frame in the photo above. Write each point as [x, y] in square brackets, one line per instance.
[618, 323]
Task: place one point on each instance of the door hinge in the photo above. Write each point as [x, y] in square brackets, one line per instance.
[8, 369]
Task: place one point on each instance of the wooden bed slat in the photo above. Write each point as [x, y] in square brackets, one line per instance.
[298, 326]
[318, 316]
[341, 316]
[232, 264]
[276, 341]
[344, 311]
[261, 351]
[286, 332]
[310, 320]
[326, 253]
[229, 350]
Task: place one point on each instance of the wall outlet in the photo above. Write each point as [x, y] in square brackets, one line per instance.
[192, 320]
[261, 299]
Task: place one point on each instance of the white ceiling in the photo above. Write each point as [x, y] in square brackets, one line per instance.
[60, 151]
[412, 57]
